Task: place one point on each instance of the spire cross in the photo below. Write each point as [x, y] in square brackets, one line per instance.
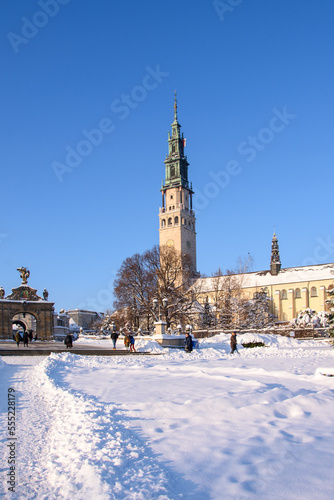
[175, 106]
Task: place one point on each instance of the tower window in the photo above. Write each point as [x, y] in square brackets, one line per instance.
[173, 148]
[169, 221]
[176, 220]
[163, 223]
[171, 196]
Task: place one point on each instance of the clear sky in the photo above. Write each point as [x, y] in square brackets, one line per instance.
[87, 91]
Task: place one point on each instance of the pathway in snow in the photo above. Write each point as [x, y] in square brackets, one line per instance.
[73, 446]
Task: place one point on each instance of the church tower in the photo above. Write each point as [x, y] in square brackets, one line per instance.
[275, 261]
[176, 216]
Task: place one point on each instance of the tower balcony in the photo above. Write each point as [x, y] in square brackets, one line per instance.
[176, 207]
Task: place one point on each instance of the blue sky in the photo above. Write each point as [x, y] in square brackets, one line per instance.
[255, 83]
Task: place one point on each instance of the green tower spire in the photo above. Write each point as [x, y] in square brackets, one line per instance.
[176, 164]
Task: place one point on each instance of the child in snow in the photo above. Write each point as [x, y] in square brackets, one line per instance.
[132, 343]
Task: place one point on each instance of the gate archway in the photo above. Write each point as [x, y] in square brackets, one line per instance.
[24, 302]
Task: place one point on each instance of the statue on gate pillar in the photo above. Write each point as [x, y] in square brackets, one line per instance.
[24, 273]
[2, 292]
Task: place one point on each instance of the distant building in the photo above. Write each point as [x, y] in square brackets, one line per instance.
[61, 324]
[83, 318]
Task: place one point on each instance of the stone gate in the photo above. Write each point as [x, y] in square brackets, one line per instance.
[22, 301]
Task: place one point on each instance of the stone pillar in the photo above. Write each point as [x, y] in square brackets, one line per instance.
[322, 298]
[291, 298]
[277, 300]
[160, 327]
[305, 302]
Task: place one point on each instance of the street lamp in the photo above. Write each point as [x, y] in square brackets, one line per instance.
[156, 304]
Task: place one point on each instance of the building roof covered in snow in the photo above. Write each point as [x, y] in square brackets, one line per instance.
[285, 276]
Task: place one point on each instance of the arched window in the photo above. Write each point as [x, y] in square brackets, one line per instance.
[284, 295]
[176, 220]
[169, 221]
[189, 224]
[173, 148]
[163, 223]
[314, 291]
[298, 293]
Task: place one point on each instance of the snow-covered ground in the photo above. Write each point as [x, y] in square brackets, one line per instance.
[205, 425]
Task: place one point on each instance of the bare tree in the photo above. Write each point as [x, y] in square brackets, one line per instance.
[160, 273]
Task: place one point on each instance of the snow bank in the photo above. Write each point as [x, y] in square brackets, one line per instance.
[149, 345]
[328, 371]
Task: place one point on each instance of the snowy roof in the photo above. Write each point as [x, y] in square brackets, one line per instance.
[284, 277]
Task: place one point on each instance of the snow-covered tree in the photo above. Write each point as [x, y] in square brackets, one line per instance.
[207, 319]
[308, 318]
[258, 313]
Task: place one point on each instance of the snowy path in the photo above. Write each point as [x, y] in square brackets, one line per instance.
[72, 446]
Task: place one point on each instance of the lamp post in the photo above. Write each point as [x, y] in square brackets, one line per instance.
[164, 303]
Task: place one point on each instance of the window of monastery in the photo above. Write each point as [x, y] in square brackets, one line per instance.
[176, 220]
[171, 196]
[163, 223]
[284, 294]
[314, 291]
[298, 293]
[170, 221]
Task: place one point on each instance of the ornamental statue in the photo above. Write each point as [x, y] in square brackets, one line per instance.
[24, 273]
[2, 292]
[45, 294]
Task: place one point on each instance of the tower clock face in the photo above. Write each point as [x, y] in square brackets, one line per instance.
[170, 243]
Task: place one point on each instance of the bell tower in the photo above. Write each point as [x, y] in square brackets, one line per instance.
[176, 216]
[275, 261]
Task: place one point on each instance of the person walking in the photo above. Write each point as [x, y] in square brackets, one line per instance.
[25, 339]
[68, 341]
[18, 339]
[233, 343]
[114, 337]
[189, 342]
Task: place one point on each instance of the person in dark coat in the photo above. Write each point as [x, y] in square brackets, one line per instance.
[68, 341]
[189, 342]
[25, 339]
[30, 335]
[114, 337]
[17, 339]
[234, 343]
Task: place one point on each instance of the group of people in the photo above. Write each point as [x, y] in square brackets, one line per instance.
[27, 337]
[129, 340]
